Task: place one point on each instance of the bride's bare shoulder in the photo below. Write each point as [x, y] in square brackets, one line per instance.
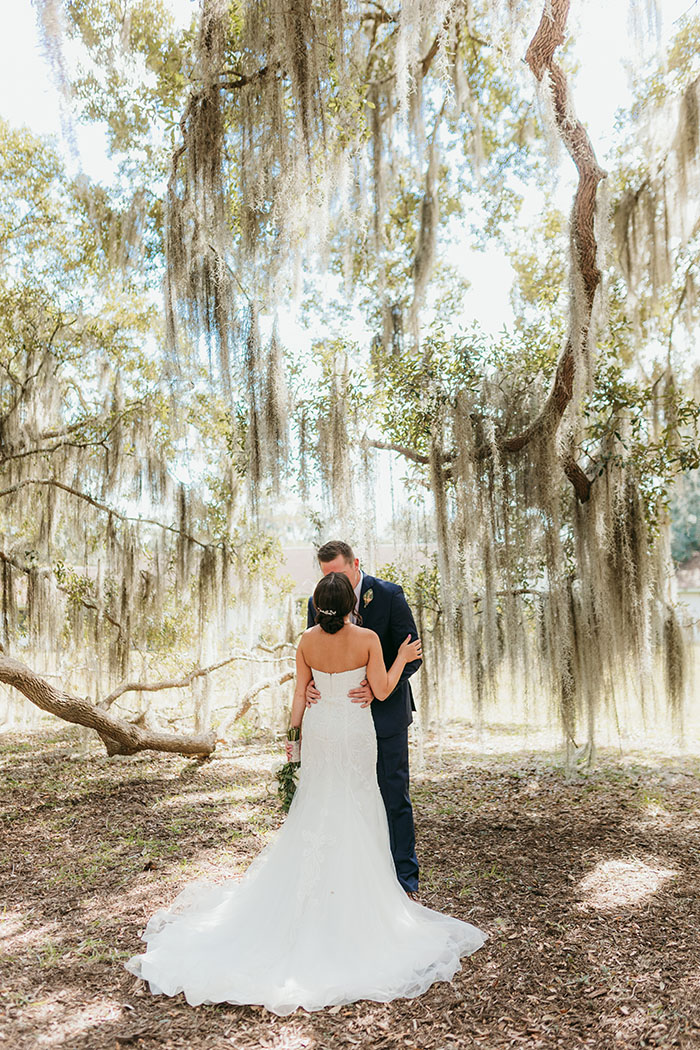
[366, 634]
[308, 635]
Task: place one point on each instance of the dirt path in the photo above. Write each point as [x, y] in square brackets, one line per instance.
[588, 887]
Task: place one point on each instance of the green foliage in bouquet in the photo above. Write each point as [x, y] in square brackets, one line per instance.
[286, 776]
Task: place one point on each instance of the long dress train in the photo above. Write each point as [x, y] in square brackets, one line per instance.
[319, 918]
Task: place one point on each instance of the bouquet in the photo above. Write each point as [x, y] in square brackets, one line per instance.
[287, 774]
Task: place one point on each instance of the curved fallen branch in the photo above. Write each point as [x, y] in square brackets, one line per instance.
[119, 736]
[187, 679]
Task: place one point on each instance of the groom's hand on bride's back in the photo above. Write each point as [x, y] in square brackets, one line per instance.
[312, 694]
[362, 694]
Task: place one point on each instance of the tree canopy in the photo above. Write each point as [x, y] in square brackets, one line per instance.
[334, 155]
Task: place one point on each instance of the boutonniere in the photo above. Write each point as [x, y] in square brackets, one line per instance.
[367, 597]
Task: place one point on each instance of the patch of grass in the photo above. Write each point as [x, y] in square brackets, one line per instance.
[13, 999]
[79, 875]
[151, 845]
[494, 871]
[86, 870]
[650, 797]
[94, 950]
[17, 747]
[246, 731]
[52, 953]
[16, 783]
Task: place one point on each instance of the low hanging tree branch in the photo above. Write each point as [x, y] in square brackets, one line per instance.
[243, 79]
[274, 648]
[62, 437]
[93, 421]
[167, 683]
[119, 736]
[247, 701]
[86, 602]
[104, 507]
[407, 453]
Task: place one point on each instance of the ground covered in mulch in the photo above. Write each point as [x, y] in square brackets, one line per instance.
[588, 886]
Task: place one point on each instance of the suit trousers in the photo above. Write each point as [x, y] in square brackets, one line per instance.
[392, 774]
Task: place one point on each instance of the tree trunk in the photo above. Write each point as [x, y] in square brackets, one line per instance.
[119, 736]
[549, 36]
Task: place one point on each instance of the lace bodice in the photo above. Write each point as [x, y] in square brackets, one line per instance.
[337, 734]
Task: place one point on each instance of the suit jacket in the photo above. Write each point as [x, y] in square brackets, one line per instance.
[388, 615]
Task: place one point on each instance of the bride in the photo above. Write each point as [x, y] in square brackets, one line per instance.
[319, 918]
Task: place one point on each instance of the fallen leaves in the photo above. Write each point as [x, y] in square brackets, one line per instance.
[505, 842]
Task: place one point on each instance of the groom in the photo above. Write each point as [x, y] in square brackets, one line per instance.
[385, 611]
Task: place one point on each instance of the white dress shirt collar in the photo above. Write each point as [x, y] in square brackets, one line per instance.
[358, 588]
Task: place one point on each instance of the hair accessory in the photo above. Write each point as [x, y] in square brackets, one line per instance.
[328, 612]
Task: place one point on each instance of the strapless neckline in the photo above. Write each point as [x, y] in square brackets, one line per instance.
[337, 674]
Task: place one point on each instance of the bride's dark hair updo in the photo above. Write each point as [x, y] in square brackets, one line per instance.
[333, 599]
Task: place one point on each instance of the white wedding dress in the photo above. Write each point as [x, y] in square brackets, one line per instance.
[319, 918]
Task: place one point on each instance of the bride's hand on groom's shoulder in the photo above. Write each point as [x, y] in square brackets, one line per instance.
[312, 694]
[411, 650]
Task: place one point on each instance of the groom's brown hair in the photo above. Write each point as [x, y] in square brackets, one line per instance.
[332, 549]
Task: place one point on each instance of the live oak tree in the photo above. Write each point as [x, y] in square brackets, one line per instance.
[299, 138]
[604, 545]
[107, 560]
[533, 563]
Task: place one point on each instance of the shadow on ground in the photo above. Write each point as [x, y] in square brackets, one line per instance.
[588, 887]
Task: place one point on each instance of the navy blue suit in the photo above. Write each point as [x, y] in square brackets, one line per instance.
[385, 611]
